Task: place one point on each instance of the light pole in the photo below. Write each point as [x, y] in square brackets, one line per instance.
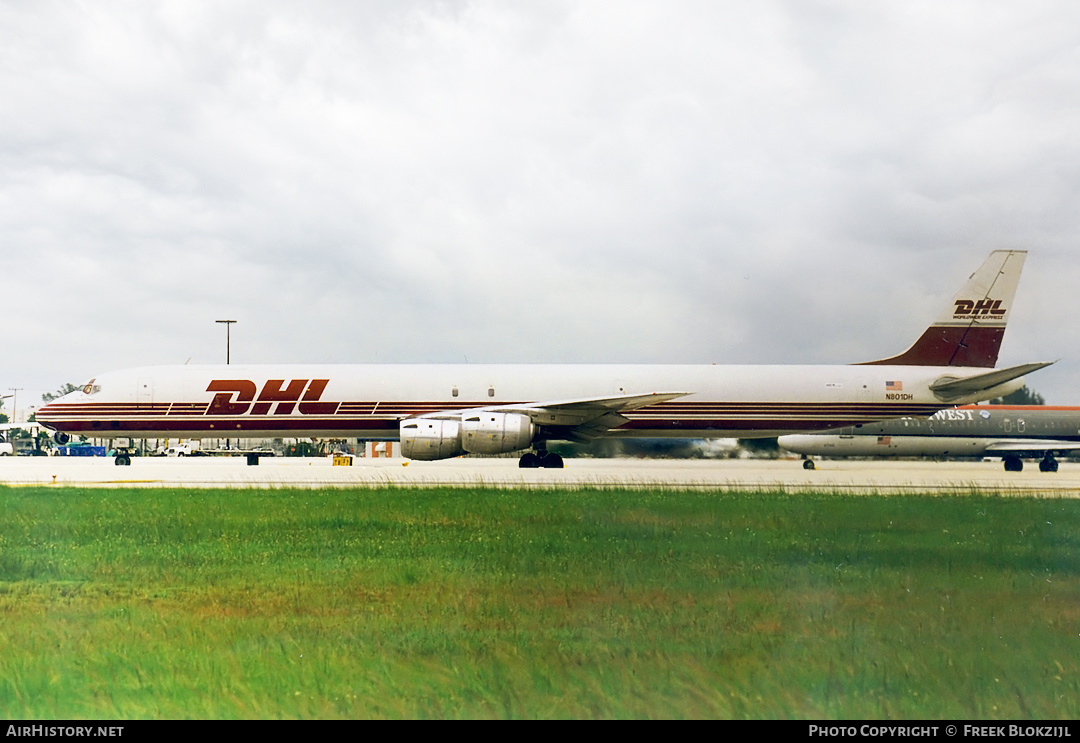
[15, 403]
[228, 327]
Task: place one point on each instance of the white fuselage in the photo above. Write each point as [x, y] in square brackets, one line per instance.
[370, 401]
[998, 430]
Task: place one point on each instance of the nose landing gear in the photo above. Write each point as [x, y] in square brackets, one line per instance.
[123, 449]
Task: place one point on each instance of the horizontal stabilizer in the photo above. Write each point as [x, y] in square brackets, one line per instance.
[950, 387]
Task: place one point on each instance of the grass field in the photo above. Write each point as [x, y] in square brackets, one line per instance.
[503, 603]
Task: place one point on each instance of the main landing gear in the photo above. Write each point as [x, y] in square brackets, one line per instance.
[1048, 464]
[540, 458]
[1016, 464]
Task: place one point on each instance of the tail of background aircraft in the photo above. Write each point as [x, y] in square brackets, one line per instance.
[970, 330]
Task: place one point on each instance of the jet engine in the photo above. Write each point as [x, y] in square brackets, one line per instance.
[431, 438]
[497, 433]
[482, 433]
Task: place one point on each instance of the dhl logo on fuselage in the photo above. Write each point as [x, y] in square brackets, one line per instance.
[970, 308]
[237, 397]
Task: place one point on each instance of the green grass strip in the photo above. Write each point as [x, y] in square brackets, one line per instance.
[503, 603]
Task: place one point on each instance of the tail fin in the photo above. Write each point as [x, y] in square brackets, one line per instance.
[969, 332]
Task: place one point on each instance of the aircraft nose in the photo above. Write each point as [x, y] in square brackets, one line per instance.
[792, 442]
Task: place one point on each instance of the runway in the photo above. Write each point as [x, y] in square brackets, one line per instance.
[888, 476]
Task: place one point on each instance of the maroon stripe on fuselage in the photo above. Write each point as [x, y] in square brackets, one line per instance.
[108, 419]
[200, 407]
[188, 408]
[227, 428]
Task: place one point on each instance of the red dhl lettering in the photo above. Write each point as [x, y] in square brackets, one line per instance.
[275, 392]
[237, 397]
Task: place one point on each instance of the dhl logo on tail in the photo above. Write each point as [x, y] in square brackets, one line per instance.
[971, 308]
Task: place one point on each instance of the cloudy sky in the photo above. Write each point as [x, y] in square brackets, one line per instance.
[543, 181]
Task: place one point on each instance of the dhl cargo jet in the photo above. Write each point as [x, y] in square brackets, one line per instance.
[442, 411]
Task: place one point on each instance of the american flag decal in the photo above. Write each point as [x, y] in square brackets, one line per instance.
[894, 386]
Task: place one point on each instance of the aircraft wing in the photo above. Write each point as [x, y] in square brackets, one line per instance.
[1031, 447]
[949, 387]
[582, 419]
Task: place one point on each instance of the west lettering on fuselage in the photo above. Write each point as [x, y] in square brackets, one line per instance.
[440, 411]
[1010, 432]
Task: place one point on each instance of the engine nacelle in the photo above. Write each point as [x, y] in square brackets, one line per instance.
[430, 438]
[496, 433]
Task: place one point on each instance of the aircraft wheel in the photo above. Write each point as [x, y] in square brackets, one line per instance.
[1048, 465]
[551, 461]
[808, 464]
[122, 460]
[61, 438]
[529, 461]
[1013, 464]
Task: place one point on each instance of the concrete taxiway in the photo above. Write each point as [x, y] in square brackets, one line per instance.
[788, 474]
